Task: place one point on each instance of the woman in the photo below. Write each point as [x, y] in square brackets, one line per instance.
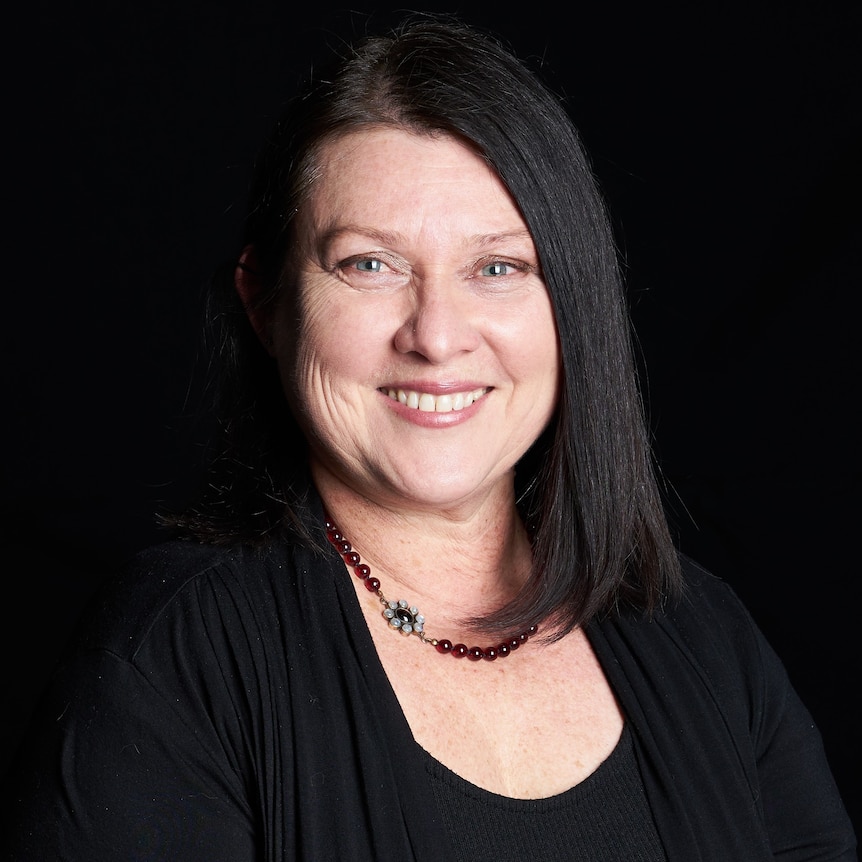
[429, 607]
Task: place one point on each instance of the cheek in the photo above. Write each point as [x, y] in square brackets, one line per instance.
[542, 367]
[342, 329]
[536, 346]
[317, 344]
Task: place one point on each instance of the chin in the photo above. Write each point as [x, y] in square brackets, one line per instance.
[444, 493]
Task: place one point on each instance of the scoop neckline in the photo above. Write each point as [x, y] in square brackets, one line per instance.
[615, 761]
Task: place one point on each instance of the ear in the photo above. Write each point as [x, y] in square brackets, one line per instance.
[248, 284]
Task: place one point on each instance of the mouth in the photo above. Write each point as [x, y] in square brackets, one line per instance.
[425, 402]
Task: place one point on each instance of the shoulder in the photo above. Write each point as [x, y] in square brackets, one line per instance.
[709, 622]
[705, 600]
[189, 587]
[704, 657]
[703, 632]
[709, 615]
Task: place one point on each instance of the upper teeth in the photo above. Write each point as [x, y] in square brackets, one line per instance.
[428, 403]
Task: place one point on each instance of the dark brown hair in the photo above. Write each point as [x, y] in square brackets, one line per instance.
[587, 488]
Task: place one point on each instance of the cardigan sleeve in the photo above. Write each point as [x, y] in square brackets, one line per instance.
[142, 745]
[802, 807]
[114, 772]
[733, 763]
[215, 709]
[791, 781]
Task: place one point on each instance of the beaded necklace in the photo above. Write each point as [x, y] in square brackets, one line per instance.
[405, 618]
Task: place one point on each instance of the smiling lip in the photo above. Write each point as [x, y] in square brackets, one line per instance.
[427, 402]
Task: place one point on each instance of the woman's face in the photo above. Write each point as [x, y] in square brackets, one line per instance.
[425, 358]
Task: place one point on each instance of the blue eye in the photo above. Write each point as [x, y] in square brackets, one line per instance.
[496, 268]
[369, 264]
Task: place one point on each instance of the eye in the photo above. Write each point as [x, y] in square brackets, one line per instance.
[497, 267]
[368, 264]
[370, 271]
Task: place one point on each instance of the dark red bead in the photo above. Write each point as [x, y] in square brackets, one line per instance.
[362, 571]
[532, 630]
[459, 650]
[443, 646]
[490, 653]
[352, 559]
[503, 650]
[372, 585]
[343, 546]
[475, 653]
[334, 535]
[514, 643]
[523, 637]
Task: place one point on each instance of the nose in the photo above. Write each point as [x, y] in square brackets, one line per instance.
[440, 322]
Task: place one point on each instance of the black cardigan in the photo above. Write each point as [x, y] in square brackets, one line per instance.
[229, 705]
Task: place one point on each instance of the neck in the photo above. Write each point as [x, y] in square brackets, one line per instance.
[457, 562]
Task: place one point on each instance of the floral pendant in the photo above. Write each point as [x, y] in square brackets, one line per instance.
[406, 619]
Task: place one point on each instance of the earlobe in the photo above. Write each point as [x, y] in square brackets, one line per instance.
[248, 284]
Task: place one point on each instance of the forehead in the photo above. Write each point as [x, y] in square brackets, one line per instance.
[393, 173]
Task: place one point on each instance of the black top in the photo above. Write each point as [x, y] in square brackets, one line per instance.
[229, 706]
[605, 818]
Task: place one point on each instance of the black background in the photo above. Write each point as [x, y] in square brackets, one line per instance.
[727, 139]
